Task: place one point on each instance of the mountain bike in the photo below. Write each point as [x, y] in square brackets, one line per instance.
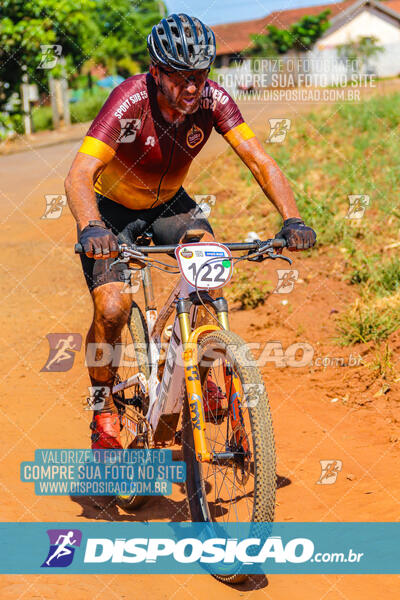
[228, 444]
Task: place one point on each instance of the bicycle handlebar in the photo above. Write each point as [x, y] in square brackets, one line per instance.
[273, 243]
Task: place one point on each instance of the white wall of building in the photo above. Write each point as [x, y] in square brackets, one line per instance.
[366, 24]
[322, 63]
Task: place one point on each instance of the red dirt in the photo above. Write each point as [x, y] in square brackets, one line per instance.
[43, 291]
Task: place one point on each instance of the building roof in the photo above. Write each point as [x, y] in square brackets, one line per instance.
[233, 38]
[394, 5]
[356, 8]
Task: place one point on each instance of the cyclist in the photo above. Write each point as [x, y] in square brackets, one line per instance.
[127, 176]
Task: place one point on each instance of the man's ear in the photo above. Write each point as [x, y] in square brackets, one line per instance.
[154, 72]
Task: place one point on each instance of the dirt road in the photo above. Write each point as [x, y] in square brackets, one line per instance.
[320, 412]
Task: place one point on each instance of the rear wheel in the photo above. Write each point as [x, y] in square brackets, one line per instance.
[132, 403]
[242, 490]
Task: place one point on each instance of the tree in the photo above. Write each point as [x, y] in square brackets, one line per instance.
[106, 31]
[300, 36]
[308, 30]
[27, 26]
[124, 26]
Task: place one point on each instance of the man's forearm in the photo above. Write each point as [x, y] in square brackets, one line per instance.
[81, 200]
[276, 187]
[269, 176]
[81, 197]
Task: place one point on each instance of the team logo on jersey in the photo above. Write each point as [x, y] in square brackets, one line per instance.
[194, 136]
[129, 129]
[150, 141]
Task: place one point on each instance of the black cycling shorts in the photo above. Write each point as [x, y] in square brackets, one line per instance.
[167, 222]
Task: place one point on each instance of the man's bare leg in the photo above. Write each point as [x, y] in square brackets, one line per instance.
[111, 311]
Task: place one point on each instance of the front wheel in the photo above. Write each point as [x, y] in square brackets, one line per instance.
[242, 490]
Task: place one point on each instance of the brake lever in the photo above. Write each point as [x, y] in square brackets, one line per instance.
[260, 257]
[127, 255]
[266, 249]
[281, 256]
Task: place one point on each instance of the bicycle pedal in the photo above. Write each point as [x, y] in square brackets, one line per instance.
[135, 401]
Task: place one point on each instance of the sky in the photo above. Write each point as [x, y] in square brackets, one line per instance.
[214, 12]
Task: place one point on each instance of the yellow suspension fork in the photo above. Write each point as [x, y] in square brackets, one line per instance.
[236, 398]
[233, 385]
[192, 375]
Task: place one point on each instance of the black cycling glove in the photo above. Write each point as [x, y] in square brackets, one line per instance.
[297, 235]
[98, 241]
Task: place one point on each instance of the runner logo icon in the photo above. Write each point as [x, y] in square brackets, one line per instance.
[358, 204]
[54, 206]
[62, 547]
[329, 471]
[129, 129]
[62, 351]
[97, 397]
[286, 280]
[278, 130]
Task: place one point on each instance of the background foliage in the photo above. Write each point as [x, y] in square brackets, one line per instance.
[89, 31]
[300, 36]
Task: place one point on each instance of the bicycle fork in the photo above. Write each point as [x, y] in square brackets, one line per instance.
[194, 390]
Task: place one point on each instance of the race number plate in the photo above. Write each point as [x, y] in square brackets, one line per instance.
[207, 265]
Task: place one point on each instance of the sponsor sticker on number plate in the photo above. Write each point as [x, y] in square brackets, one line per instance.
[207, 265]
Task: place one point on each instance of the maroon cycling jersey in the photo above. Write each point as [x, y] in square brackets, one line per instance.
[146, 157]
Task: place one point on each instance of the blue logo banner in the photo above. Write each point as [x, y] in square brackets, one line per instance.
[199, 548]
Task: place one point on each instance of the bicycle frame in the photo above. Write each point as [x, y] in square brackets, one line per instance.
[165, 406]
[166, 396]
[180, 376]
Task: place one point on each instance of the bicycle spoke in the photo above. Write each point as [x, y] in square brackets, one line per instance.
[229, 487]
[227, 490]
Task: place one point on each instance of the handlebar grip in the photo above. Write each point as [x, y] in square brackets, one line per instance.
[279, 243]
[78, 248]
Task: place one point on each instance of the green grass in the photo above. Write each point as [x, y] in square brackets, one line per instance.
[377, 274]
[327, 156]
[42, 118]
[351, 149]
[383, 363]
[81, 112]
[249, 292]
[367, 323]
[88, 108]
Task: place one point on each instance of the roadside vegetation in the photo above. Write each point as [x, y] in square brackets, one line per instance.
[82, 111]
[350, 149]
